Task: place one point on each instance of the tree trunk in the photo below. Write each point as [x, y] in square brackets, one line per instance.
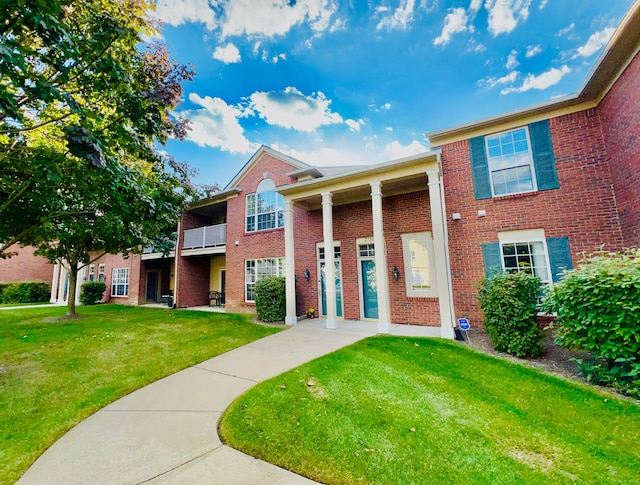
[71, 295]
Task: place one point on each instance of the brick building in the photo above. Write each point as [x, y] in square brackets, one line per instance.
[405, 241]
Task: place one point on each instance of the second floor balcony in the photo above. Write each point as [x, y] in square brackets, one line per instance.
[205, 237]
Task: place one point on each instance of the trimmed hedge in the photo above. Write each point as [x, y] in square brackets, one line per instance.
[598, 307]
[509, 302]
[25, 292]
[271, 299]
[91, 292]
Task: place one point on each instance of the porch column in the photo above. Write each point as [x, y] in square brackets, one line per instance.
[55, 282]
[290, 264]
[382, 278]
[82, 270]
[329, 265]
[443, 279]
[63, 290]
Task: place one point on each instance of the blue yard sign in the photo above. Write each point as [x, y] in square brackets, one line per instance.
[463, 323]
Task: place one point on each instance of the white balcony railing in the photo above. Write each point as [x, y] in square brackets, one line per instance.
[205, 237]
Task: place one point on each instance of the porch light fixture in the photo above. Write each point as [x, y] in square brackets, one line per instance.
[396, 273]
[307, 274]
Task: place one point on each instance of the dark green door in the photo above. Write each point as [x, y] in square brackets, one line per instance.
[369, 289]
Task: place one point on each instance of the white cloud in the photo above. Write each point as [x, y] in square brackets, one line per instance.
[533, 50]
[397, 150]
[386, 106]
[504, 15]
[228, 54]
[543, 3]
[216, 125]
[354, 125]
[492, 81]
[512, 60]
[274, 17]
[399, 18]
[455, 22]
[292, 109]
[566, 30]
[595, 42]
[542, 81]
[389, 128]
[178, 12]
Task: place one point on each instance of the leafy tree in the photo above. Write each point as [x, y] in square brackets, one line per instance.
[82, 108]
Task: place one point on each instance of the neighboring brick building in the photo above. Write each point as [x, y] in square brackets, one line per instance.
[530, 190]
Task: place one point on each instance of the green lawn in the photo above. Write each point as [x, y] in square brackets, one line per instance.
[53, 374]
[393, 410]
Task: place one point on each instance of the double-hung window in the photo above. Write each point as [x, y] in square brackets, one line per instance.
[256, 269]
[510, 162]
[120, 282]
[264, 208]
[92, 272]
[101, 272]
[517, 161]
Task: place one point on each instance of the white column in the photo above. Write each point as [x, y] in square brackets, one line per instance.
[443, 280]
[382, 277]
[64, 278]
[290, 264]
[329, 265]
[82, 270]
[55, 283]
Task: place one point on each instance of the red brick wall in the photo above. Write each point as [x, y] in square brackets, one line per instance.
[583, 208]
[112, 261]
[251, 245]
[193, 281]
[25, 266]
[620, 115]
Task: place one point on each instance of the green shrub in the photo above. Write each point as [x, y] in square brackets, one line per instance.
[598, 307]
[271, 299]
[91, 292]
[25, 292]
[509, 303]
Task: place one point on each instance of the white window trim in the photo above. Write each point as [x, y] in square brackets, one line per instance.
[532, 164]
[115, 282]
[278, 210]
[406, 253]
[280, 271]
[526, 236]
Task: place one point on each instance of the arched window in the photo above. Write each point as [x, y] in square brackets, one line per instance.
[264, 208]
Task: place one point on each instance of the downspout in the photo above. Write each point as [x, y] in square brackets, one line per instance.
[446, 242]
[175, 266]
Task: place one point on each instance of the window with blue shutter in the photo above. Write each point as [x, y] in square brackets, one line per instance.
[513, 162]
[492, 259]
[560, 256]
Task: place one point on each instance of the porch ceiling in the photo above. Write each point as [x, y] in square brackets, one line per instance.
[397, 177]
[359, 193]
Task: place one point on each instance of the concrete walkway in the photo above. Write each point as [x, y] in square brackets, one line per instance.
[167, 432]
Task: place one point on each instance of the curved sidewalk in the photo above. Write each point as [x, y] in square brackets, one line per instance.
[166, 432]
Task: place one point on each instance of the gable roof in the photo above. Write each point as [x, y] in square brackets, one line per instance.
[621, 49]
[296, 164]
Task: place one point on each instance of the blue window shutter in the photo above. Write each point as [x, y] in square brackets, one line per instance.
[543, 158]
[480, 168]
[492, 259]
[559, 255]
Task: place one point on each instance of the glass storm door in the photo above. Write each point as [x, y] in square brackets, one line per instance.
[338, 282]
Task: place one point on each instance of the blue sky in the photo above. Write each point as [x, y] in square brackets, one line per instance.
[334, 82]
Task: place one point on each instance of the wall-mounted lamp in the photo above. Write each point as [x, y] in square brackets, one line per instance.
[307, 274]
[396, 273]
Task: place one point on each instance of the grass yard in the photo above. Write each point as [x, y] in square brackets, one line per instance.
[394, 410]
[53, 373]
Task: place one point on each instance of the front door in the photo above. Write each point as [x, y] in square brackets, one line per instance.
[338, 274]
[368, 286]
[152, 285]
